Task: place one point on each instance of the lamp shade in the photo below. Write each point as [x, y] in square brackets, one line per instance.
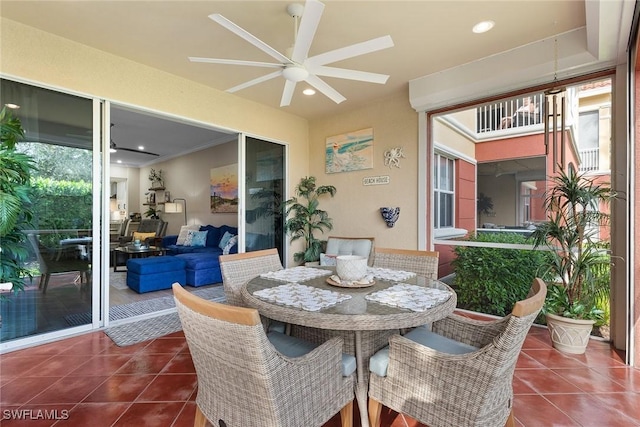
[173, 207]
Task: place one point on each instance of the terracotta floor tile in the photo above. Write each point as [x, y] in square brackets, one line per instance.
[94, 414]
[536, 411]
[153, 383]
[187, 416]
[181, 364]
[525, 361]
[171, 387]
[101, 365]
[150, 414]
[545, 381]
[17, 366]
[22, 391]
[589, 380]
[120, 388]
[165, 345]
[69, 390]
[589, 411]
[627, 403]
[551, 358]
[141, 364]
[56, 366]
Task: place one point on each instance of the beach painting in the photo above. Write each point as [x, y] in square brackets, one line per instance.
[224, 189]
[350, 151]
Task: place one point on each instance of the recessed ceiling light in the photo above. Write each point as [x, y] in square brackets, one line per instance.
[309, 92]
[12, 106]
[141, 147]
[483, 27]
[118, 161]
[113, 150]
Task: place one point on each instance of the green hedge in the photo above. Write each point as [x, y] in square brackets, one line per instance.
[60, 205]
[492, 280]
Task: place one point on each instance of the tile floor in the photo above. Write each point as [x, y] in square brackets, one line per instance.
[89, 381]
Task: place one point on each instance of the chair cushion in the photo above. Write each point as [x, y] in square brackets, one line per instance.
[142, 236]
[360, 247]
[379, 362]
[296, 347]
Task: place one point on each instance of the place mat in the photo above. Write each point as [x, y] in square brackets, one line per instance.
[296, 274]
[301, 296]
[389, 274]
[412, 297]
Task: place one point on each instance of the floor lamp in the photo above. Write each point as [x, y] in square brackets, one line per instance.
[174, 207]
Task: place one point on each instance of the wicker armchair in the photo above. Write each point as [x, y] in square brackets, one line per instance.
[238, 269]
[244, 380]
[458, 375]
[423, 263]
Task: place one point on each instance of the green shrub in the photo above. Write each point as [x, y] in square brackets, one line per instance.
[492, 280]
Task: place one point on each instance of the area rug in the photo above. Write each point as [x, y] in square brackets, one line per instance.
[118, 280]
[124, 311]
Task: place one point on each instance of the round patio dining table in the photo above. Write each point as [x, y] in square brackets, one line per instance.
[361, 310]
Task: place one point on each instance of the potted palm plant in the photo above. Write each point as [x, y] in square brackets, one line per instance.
[574, 217]
[15, 212]
[306, 217]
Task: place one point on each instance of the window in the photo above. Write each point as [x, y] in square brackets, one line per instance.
[443, 192]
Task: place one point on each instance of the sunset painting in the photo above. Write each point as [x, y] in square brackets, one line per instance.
[224, 189]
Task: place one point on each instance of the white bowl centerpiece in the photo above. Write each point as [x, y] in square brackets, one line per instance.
[351, 268]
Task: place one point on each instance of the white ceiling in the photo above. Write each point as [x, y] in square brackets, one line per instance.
[429, 37]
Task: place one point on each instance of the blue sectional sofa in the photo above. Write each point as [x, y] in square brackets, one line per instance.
[212, 244]
[202, 266]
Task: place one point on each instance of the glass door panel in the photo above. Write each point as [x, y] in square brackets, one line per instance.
[265, 163]
[58, 240]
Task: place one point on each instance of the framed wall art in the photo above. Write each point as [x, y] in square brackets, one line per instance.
[350, 151]
[224, 189]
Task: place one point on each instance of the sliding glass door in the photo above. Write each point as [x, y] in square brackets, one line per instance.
[264, 195]
[58, 241]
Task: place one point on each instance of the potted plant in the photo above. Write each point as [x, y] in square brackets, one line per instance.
[156, 178]
[571, 233]
[15, 212]
[484, 205]
[306, 218]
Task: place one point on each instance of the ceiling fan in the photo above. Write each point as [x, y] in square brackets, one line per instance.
[114, 148]
[296, 66]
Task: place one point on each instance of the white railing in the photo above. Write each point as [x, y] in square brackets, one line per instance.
[590, 159]
[509, 114]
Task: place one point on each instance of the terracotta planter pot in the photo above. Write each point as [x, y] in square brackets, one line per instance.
[569, 335]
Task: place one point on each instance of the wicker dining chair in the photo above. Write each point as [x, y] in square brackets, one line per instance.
[423, 263]
[459, 374]
[238, 269]
[249, 378]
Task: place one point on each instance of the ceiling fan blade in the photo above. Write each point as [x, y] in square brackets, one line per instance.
[354, 50]
[132, 150]
[235, 62]
[240, 32]
[323, 87]
[287, 93]
[255, 81]
[308, 25]
[342, 73]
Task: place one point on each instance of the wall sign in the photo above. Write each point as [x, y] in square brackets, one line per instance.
[376, 180]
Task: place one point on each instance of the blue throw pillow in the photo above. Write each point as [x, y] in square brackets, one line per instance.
[213, 235]
[230, 244]
[225, 239]
[196, 238]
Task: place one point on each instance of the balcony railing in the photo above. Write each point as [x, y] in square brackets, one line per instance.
[512, 113]
[590, 159]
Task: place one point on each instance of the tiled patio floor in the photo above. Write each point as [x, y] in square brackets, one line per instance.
[154, 384]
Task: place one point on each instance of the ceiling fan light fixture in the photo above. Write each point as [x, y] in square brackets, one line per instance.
[308, 91]
[295, 73]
